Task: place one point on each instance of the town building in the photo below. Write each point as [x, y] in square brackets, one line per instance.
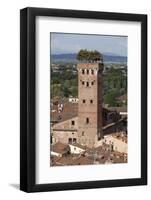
[85, 127]
[90, 103]
[82, 122]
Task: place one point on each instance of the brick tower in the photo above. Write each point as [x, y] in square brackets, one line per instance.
[90, 103]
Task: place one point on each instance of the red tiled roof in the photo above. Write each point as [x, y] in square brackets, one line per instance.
[64, 161]
[59, 148]
[83, 161]
[69, 111]
[71, 160]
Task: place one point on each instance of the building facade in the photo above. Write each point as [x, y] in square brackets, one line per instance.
[83, 121]
[90, 103]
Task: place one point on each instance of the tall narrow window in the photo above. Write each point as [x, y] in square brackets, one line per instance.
[87, 84]
[92, 83]
[87, 120]
[84, 100]
[82, 82]
[74, 140]
[70, 140]
[82, 71]
[91, 101]
[87, 71]
[92, 71]
[72, 122]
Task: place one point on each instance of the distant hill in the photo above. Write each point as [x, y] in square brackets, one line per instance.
[107, 57]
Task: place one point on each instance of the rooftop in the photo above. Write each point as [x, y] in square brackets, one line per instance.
[59, 148]
[100, 155]
[71, 160]
[118, 109]
[121, 136]
[69, 111]
[78, 145]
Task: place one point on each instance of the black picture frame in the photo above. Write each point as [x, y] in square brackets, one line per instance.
[28, 99]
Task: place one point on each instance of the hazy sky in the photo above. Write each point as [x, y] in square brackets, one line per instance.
[72, 43]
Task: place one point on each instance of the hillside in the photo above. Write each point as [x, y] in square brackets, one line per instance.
[107, 58]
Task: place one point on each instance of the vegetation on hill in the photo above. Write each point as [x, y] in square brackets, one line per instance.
[114, 85]
[64, 84]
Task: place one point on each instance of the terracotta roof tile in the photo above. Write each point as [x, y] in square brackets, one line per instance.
[59, 148]
[69, 111]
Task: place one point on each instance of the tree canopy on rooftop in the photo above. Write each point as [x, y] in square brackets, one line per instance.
[89, 56]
